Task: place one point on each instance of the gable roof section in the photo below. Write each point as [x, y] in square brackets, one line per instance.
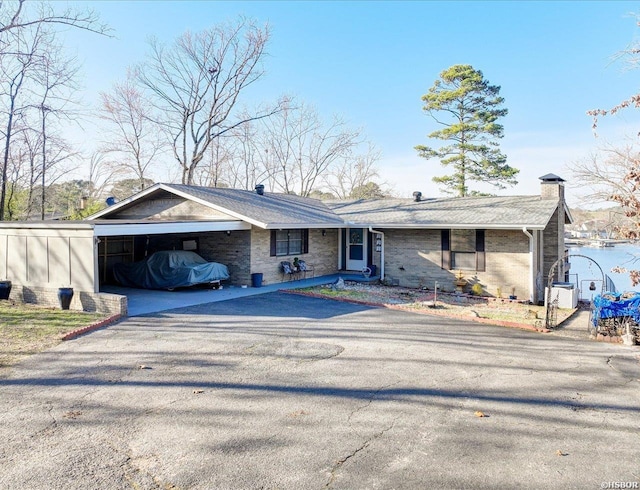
[513, 212]
[279, 211]
[268, 211]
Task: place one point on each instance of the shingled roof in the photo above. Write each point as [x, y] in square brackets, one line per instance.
[270, 210]
[277, 211]
[513, 212]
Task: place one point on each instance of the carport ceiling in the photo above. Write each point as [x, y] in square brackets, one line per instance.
[130, 228]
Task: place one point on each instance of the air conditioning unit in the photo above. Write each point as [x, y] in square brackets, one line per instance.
[565, 292]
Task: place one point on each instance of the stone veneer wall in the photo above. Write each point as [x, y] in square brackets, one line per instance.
[108, 303]
[323, 254]
[413, 259]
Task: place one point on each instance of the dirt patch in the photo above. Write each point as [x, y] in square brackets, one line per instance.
[487, 310]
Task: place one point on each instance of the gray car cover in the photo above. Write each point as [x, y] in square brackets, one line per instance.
[169, 270]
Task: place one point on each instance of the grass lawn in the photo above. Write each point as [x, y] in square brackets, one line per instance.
[28, 329]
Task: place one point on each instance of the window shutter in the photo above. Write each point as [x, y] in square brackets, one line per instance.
[343, 250]
[305, 241]
[480, 253]
[273, 243]
[446, 248]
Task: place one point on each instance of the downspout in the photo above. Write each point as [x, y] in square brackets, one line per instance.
[532, 283]
[371, 230]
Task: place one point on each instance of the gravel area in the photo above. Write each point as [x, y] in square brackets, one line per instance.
[447, 304]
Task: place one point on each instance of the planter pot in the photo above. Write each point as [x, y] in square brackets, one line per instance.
[64, 296]
[5, 289]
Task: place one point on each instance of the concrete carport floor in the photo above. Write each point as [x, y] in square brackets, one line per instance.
[291, 392]
[146, 301]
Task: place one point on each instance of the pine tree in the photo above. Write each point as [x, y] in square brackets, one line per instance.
[468, 108]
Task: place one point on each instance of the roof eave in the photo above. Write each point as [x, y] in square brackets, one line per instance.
[311, 226]
[440, 226]
[569, 218]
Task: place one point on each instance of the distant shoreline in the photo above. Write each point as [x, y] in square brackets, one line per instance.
[595, 242]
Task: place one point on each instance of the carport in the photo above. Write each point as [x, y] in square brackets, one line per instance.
[41, 257]
[132, 241]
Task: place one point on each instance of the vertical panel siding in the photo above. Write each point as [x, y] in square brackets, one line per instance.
[48, 258]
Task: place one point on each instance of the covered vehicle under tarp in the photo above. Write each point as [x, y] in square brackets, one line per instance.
[169, 270]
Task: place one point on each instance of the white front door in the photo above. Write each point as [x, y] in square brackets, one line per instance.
[356, 249]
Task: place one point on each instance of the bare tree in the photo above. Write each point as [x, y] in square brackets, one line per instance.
[247, 166]
[301, 148]
[15, 16]
[56, 81]
[216, 165]
[101, 175]
[17, 201]
[132, 138]
[602, 175]
[354, 173]
[27, 54]
[15, 73]
[26, 170]
[196, 83]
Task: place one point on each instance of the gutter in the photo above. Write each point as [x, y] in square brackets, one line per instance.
[531, 275]
[371, 230]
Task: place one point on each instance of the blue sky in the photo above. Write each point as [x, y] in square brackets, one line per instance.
[372, 61]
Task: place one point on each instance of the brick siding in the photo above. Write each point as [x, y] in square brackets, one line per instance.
[413, 259]
[323, 254]
[234, 251]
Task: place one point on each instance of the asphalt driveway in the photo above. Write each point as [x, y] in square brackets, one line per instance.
[289, 392]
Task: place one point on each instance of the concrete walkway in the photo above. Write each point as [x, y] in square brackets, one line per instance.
[576, 326]
[146, 301]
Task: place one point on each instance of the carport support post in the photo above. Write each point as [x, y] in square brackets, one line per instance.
[532, 283]
[371, 230]
[96, 265]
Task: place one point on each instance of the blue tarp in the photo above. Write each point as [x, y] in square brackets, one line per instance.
[169, 270]
[614, 305]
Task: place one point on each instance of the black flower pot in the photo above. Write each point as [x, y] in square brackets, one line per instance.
[5, 289]
[64, 296]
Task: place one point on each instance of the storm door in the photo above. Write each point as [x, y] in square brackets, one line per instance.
[356, 249]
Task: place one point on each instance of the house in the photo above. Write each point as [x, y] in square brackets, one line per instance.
[506, 244]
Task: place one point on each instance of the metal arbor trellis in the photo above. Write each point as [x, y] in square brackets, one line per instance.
[552, 306]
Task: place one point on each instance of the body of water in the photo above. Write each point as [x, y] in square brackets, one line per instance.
[583, 271]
